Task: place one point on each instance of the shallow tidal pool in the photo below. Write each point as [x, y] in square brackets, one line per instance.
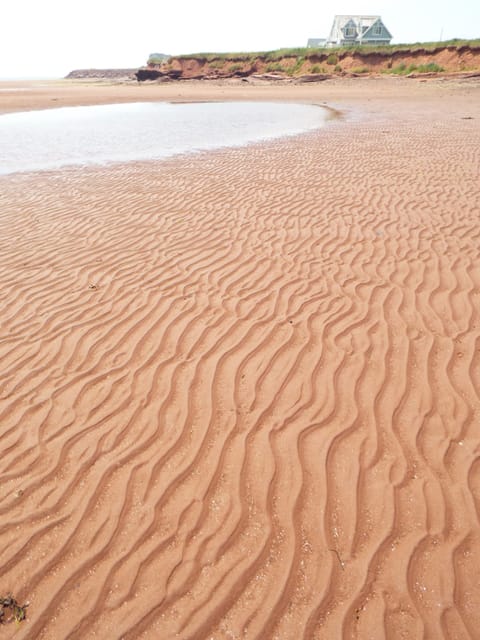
[53, 138]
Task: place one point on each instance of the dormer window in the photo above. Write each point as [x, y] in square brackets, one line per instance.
[349, 32]
[377, 30]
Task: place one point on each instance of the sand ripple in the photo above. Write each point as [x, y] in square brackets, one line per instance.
[240, 391]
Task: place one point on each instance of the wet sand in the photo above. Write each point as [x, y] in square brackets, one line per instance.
[240, 390]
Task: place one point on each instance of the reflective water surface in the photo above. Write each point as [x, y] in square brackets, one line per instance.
[52, 138]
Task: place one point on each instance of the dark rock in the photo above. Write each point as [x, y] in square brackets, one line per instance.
[269, 77]
[241, 74]
[313, 77]
[148, 74]
[429, 74]
[108, 74]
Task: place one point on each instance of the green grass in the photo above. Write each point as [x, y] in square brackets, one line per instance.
[285, 53]
[306, 53]
[403, 70]
[390, 49]
[216, 64]
[275, 67]
[399, 70]
[431, 67]
[209, 57]
[292, 71]
[317, 69]
[157, 58]
[360, 70]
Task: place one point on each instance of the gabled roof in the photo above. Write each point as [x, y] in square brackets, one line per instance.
[369, 31]
[362, 24]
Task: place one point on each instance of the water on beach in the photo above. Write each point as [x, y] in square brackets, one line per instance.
[52, 138]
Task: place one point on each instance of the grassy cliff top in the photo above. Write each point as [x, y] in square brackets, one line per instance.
[364, 49]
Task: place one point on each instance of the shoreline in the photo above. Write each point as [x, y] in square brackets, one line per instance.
[27, 95]
[240, 389]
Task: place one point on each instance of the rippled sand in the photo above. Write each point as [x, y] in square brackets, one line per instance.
[240, 391]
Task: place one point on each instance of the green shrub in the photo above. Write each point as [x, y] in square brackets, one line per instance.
[399, 70]
[338, 68]
[216, 64]
[431, 67]
[332, 59]
[360, 70]
[274, 66]
[296, 67]
[283, 53]
[403, 70]
[157, 58]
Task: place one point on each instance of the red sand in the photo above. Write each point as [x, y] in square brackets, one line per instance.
[240, 390]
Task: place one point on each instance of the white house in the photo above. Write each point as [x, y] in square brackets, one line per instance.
[354, 30]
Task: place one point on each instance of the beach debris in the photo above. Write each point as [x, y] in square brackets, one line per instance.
[92, 286]
[17, 612]
[467, 118]
[342, 564]
[358, 611]
[313, 77]
[276, 77]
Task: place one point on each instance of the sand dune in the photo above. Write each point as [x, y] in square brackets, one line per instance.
[240, 390]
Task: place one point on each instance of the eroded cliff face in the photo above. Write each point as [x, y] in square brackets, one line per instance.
[450, 59]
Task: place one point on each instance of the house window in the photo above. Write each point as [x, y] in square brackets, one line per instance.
[349, 32]
[377, 30]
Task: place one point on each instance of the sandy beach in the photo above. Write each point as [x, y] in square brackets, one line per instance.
[240, 390]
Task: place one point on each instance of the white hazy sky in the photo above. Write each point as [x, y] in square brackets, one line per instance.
[48, 38]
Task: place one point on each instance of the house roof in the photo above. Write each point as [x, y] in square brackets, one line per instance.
[386, 32]
[362, 25]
